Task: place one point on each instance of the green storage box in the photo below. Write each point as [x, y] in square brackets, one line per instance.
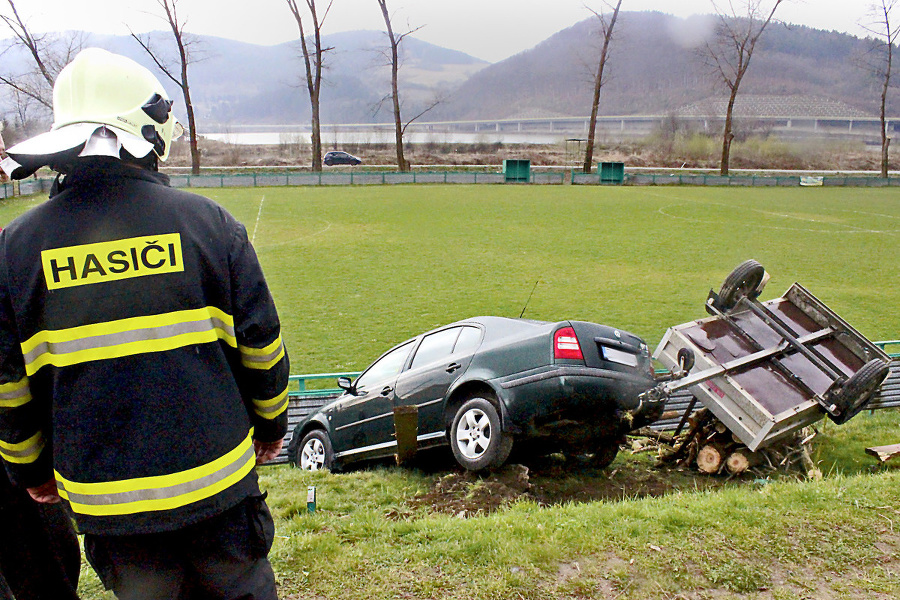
[517, 170]
[612, 172]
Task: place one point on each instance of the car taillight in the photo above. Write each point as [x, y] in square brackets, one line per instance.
[565, 344]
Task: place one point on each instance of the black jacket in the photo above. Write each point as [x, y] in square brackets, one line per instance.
[140, 352]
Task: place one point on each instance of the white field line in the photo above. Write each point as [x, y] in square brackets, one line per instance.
[258, 215]
[300, 237]
[838, 228]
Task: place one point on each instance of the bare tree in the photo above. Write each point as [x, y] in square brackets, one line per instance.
[885, 33]
[606, 32]
[740, 26]
[394, 54]
[47, 54]
[313, 62]
[184, 43]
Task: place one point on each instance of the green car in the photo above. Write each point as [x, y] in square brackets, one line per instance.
[483, 385]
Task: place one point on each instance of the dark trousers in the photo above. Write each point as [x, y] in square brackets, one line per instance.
[222, 558]
[39, 554]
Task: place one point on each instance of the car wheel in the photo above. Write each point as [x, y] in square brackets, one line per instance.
[476, 438]
[314, 452]
[859, 389]
[743, 281]
[605, 454]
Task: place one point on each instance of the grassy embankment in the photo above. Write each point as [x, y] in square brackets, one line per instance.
[356, 270]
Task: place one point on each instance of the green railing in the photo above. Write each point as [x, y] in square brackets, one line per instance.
[325, 178]
[298, 388]
[540, 177]
[884, 346]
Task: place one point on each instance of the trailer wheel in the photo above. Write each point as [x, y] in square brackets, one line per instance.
[686, 359]
[743, 281]
[856, 393]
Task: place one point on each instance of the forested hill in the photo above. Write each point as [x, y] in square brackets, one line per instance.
[235, 83]
[656, 67]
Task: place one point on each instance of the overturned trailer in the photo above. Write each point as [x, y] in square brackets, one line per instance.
[767, 369]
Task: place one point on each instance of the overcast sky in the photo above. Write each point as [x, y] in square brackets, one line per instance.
[488, 29]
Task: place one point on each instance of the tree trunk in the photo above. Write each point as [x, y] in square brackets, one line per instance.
[710, 458]
[316, 139]
[402, 165]
[186, 89]
[598, 84]
[728, 135]
[192, 129]
[741, 460]
[885, 140]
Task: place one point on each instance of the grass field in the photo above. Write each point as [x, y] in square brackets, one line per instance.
[355, 270]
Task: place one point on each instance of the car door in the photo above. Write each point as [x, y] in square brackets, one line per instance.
[440, 359]
[363, 422]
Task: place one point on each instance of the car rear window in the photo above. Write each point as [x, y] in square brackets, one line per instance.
[469, 338]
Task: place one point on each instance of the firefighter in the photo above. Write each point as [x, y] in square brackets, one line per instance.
[39, 554]
[142, 370]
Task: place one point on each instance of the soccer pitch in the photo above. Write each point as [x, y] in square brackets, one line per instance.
[355, 270]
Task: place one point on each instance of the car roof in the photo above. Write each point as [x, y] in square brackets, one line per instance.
[494, 327]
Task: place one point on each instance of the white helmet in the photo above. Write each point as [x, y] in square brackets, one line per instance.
[102, 103]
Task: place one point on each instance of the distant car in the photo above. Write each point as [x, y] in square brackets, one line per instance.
[337, 157]
[483, 384]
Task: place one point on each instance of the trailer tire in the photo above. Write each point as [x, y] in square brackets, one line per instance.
[686, 359]
[743, 281]
[856, 393]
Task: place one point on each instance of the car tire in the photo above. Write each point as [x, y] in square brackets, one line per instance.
[859, 389]
[314, 452]
[605, 454]
[476, 437]
[743, 281]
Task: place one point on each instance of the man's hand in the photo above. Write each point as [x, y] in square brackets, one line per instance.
[266, 451]
[45, 493]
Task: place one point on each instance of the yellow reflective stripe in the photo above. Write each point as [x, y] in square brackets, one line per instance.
[262, 358]
[162, 492]
[15, 394]
[23, 453]
[127, 337]
[270, 409]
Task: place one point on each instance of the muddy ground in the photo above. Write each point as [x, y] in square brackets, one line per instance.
[557, 479]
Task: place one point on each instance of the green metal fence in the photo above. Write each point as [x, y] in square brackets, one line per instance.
[537, 177]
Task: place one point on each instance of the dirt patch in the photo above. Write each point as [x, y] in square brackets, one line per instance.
[558, 479]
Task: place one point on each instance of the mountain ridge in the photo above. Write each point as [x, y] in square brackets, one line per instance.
[654, 68]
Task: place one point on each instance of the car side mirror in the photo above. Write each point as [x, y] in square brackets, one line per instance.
[346, 384]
